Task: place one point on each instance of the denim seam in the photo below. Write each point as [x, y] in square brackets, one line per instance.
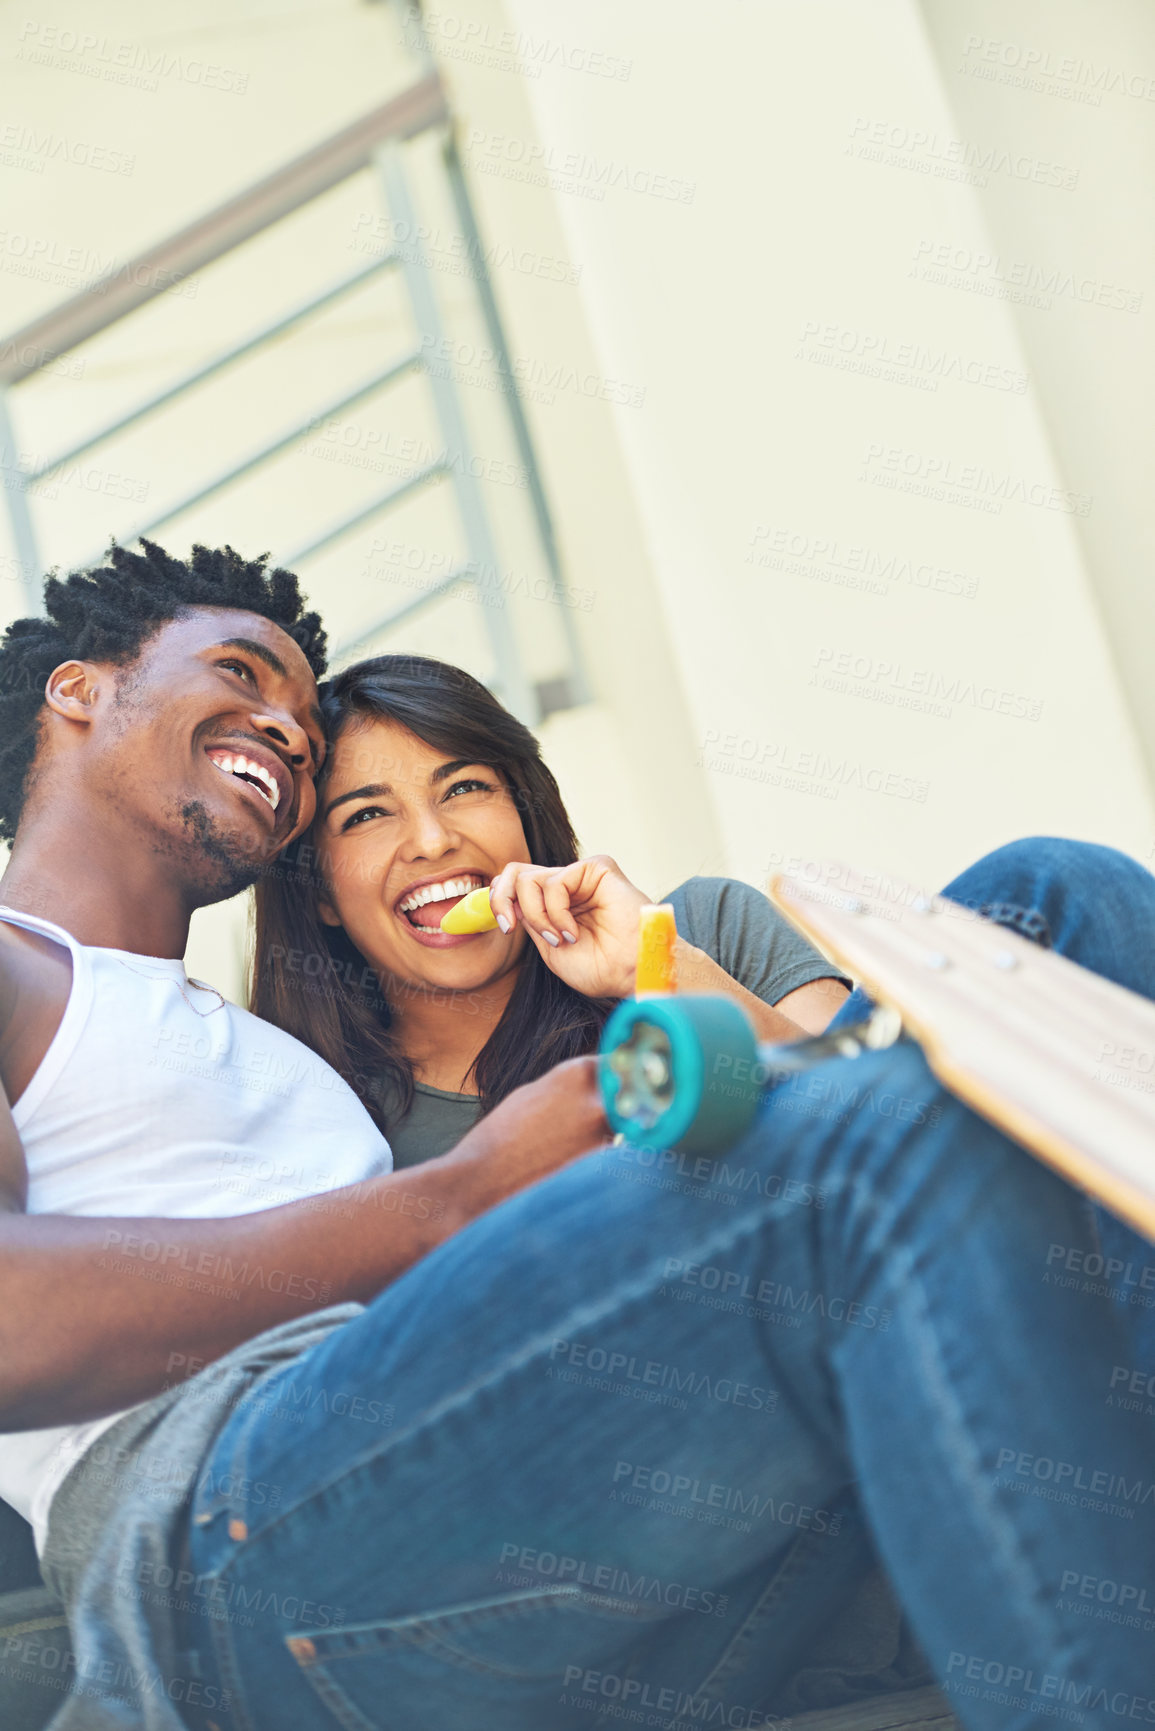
[791, 1568]
[1006, 1552]
[416, 1632]
[635, 1292]
[618, 1303]
[230, 1673]
[334, 1699]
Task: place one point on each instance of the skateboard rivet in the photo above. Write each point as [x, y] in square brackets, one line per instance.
[1005, 959]
[935, 959]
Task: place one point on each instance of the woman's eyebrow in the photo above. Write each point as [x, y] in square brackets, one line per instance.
[371, 790]
[448, 769]
[382, 789]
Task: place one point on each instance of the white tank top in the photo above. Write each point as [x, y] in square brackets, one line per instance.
[158, 1097]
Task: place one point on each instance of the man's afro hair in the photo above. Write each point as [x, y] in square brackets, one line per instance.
[108, 614]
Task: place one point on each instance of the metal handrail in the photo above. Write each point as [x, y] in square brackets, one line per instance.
[226, 357]
[350, 647]
[158, 268]
[373, 141]
[344, 525]
[407, 363]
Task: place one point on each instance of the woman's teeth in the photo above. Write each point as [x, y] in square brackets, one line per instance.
[442, 892]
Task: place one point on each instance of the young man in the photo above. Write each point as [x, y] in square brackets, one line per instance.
[582, 1453]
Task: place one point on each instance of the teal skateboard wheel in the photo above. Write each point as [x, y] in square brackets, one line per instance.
[679, 1072]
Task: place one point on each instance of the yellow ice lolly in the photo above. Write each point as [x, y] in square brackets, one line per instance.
[471, 914]
[657, 960]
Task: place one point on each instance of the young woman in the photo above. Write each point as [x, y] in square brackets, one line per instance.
[432, 789]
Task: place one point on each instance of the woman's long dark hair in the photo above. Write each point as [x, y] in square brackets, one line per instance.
[311, 980]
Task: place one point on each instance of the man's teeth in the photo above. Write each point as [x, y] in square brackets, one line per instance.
[233, 763]
[440, 892]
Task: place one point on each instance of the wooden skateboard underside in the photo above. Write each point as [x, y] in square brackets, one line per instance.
[1057, 1057]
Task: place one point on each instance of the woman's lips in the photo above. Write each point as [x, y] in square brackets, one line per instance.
[431, 937]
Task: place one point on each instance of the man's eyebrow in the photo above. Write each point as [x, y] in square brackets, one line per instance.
[260, 650]
[271, 659]
[372, 790]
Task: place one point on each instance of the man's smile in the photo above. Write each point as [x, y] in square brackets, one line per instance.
[258, 773]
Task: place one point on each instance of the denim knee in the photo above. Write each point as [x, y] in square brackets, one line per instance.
[1091, 903]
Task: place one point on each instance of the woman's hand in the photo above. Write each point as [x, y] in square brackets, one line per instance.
[583, 918]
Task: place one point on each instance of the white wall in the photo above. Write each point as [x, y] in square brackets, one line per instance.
[786, 323]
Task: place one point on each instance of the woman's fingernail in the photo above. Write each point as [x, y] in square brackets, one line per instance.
[504, 923]
[550, 938]
[570, 937]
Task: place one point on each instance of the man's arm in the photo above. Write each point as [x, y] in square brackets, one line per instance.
[96, 1314]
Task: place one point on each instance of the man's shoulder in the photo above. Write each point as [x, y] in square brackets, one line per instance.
[35, 977]
[252, 1034]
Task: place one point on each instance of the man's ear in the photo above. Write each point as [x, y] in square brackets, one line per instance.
[73, 688]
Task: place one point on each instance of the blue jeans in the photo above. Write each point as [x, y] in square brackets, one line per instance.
[613, 1453]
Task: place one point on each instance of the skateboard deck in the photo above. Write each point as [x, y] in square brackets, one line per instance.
[1060, 1059]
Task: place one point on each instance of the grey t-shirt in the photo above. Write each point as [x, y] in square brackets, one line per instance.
[733, 923]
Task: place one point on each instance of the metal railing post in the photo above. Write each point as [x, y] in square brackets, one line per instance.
[516, 691]
[19, 513]
[579, 687]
